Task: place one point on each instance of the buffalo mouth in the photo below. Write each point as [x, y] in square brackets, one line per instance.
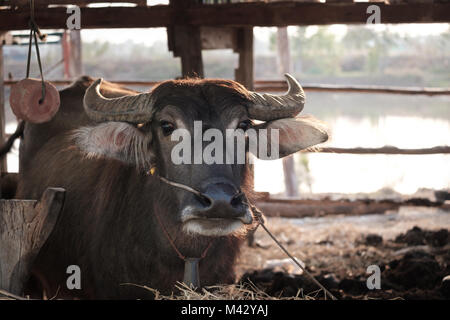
[198, 223]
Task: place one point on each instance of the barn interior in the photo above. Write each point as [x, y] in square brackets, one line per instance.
[376, 196]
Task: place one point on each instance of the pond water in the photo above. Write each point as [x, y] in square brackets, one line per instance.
[370, 121]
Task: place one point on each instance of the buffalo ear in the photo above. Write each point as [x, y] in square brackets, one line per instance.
[115, 140]
[295, 134]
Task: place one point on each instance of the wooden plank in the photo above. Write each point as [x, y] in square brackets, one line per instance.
[238, 14]
[25, 226]
[311, 208]
[296, 208]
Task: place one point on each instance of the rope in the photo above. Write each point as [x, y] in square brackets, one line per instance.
[34, 29]
[172, 243]
[182, 186]
[258, 214]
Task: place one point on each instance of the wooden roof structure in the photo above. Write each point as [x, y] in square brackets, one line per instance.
[14, 14]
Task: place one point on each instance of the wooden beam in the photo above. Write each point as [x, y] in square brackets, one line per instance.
[80, 3]
[384, 150]
[296, 208]
[297, 13]
[280, 86]
[25, 226]
[238, 14]
[108, 17]
[121, 82]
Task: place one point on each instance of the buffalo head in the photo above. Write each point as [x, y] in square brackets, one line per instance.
[143, 130]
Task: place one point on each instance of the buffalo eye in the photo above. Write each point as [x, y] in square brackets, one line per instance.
[244, 125]
[167, 127]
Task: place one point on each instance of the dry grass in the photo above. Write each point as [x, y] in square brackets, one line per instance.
[328, 244]
[219, 292]
[5, 295]
[246, 291]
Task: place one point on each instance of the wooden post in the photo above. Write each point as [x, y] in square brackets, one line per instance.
[244, 75]
[285, 66]
[185, 41]
[3, 166]
[25, 226]
[189, 48]
[65, 46]
[71, 47]
[244, 47]
[76, 61]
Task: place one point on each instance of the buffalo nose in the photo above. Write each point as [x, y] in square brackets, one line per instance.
[223, 200]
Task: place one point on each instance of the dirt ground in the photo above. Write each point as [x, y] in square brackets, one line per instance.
[410, 246]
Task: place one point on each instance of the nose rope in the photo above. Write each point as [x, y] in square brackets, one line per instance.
[172, 243]
[152, 172]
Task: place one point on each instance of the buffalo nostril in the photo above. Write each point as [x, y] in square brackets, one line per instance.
[204, 200]
[236, 200]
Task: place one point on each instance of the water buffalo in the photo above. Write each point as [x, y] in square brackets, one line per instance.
[117, 219]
